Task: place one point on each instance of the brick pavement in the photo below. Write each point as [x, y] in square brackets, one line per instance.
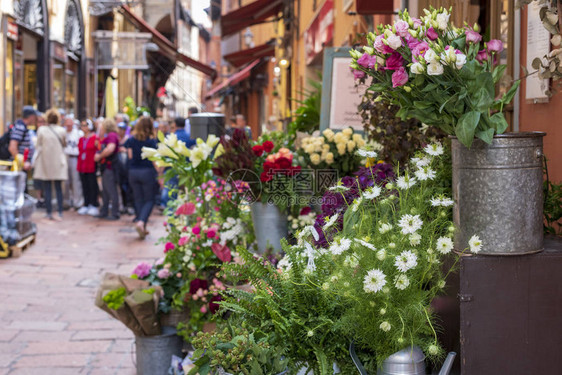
[50, 325]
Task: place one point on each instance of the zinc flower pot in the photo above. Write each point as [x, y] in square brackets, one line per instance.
[154, 353]
[498, 193]
[270, 226]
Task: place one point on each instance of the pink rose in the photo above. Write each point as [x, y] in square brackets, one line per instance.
[358, 74]
[472, 36]
[203, 309]
[159, 261]
[211, 233]
[399, 77]
[402, 28]
[394, 62]
[186, 209]
[142, 270]
[183, 240]
[168, 247]
[495, 45]
[196, 230]
[417, 23]
[482, 55]
[432, 34]
[164, 273]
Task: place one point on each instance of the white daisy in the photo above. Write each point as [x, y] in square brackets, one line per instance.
[415, 239]
[434, 149]
[444, 245]
[405, 182]
[385, 326]
[421, 162]
[338, 188]
[366, 153]
[331, 221]
[366, 244]
[381, 254]
[443, 202]
[374, 281]
[401, 282]
[372, 192]
[356, 203]
[406, 261]
[385, 228]
[475, 244]
[340, 245]
[410, 223]
[425, 173]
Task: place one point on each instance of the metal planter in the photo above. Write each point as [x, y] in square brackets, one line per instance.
[498, 193]
[270, 226]
[154, 353]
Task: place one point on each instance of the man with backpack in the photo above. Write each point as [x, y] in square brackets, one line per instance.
[18, 139]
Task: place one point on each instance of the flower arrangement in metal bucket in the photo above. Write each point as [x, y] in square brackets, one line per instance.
[440, 74]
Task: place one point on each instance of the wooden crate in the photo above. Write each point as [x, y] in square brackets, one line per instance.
[17, 249]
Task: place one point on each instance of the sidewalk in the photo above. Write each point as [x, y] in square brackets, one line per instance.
[49, 322]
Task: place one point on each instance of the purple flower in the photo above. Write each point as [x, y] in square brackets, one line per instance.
[399, 77]
[394, 62]
[381, 46]
[482, 55]
[417, 23]
[495, 45]
[402, 28]
[164, 273]
[472, 36]
[367, 61]
[142, 270]
[358, 74]
[432, 34]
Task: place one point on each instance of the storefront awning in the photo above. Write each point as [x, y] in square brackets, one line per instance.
[165, 45]
[234, 79]
[252, 14]
[239, 58]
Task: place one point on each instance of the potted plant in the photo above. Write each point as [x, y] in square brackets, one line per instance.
[445, 76]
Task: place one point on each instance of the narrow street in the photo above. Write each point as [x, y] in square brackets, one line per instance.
[50, 324]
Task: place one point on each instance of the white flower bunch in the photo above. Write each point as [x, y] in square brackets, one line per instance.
[232, 230]
[296, 224]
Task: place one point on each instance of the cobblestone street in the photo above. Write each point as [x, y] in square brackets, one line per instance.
[50, 324]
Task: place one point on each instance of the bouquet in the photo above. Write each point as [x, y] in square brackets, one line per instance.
[440, 74]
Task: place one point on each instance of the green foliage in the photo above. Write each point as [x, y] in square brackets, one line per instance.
[236, 351]
[115, 298]
[307, 115]
[552, 205]
[131, 109]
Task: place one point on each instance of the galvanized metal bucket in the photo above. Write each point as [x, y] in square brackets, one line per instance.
[270, 226]
[154, 353]
[498, 193]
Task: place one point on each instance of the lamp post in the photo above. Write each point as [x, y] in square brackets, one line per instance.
[248, 38]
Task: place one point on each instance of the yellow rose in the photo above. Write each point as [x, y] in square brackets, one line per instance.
[325, 147]
[338, 137]
[350, 146]
[309, 149]
[361, 142]
[357, 138]
[315, 159]
[329, 134]
[347, 131]
[329, 158]
[341, 148]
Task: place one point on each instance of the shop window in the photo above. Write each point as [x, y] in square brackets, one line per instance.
[9, 89]
[58, 85]
[30, 83]
[71, 87]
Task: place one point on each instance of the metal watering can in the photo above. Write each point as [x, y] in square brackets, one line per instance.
[409, 361]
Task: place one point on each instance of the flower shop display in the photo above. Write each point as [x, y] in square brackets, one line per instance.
[445, 77]
[305, 218]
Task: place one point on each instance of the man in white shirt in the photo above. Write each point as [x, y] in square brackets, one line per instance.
[73, 187]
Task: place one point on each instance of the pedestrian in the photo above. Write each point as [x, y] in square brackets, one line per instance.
[20, 138]
[142, 173]
[73, 187]
[88, 145]
[108, 159]
[38, 184]
[191, 111]
[51, 165]
[126, 206]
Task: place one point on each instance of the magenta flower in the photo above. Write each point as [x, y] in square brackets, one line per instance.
[142, 270]
[420, 49]
[164, 273]
[495, 45]
[432, 34]
[169, 247]
[183, 241]
[358, 74]
[394, 62]
[203, 309]
[482, 55]
[186, 209]
[367, 61]
[211, 233]
[381, 46]
[399, 77]
[472, 36]
[196, 230]
[402, 28]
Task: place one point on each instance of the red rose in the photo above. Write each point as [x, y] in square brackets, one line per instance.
[268, 146]
[283, 163]
[197, 284]
[258, 150]
[265, 177]
[213, 305]
[305, 211]
[268, 166]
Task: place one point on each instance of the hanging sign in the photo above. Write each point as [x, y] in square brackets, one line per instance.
[12, 32]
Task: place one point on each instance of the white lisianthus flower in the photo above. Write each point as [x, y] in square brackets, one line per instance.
[406, 261]
[366, 244]
[425, 173]
[394, 41]
[434, 149]
[461, 60]
[381, 254]
[449, 56]
[415, 239]
[148, 152]
[366, 153]
[417, 68]
[410, 223]
[385, 228]
[443, 20]
[385, 326]
[405, 182]
[475, 244]
[401, 282]
[435, 69]
[444, 245]
[374, 281]
[430, 57]
[372, 192]
[330, 222]
[340, 245]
